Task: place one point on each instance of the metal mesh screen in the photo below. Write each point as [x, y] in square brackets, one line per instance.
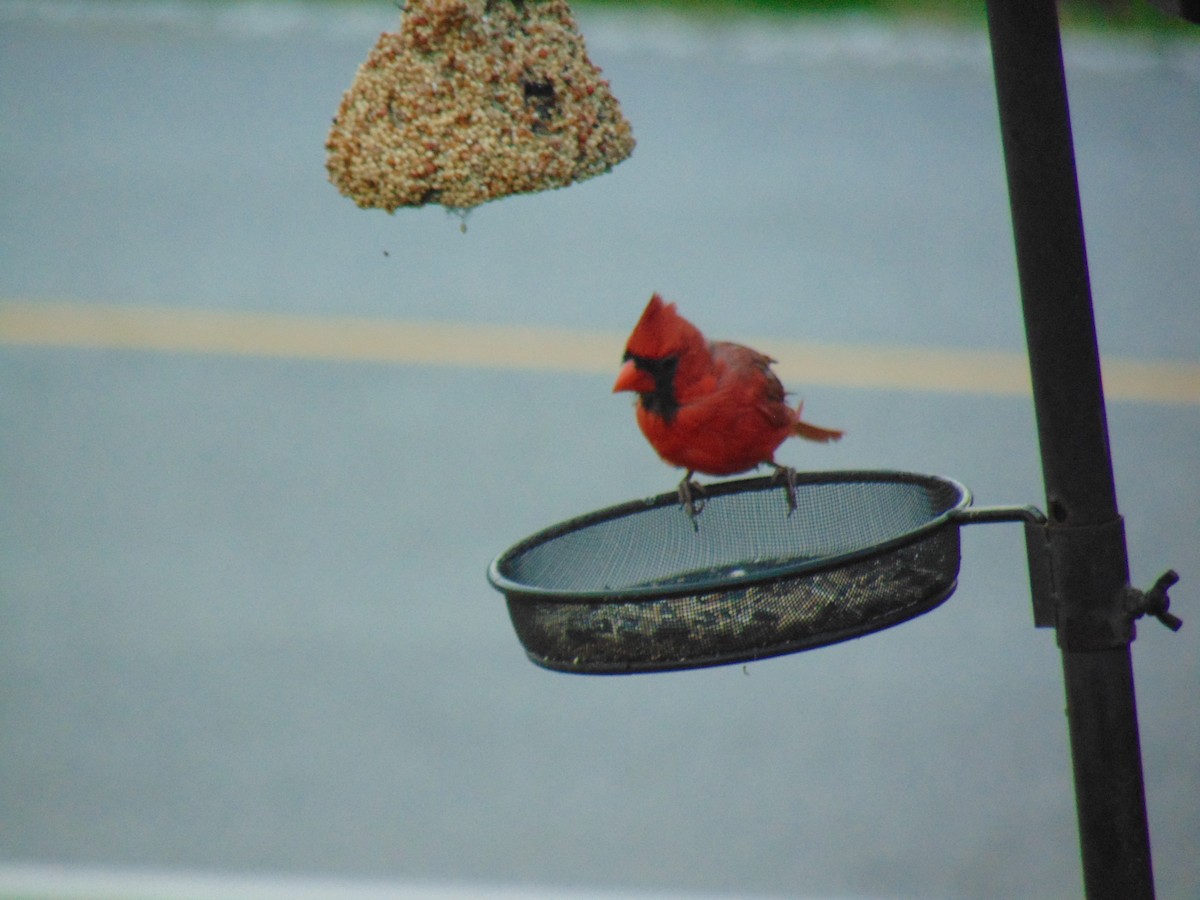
[642, 587]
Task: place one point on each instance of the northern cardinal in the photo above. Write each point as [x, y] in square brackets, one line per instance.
[708, 406]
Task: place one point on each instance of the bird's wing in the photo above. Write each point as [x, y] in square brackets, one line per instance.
[751, 371]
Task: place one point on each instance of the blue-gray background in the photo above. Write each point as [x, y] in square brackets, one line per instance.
[243, 620]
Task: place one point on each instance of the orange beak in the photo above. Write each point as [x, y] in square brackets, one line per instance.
[631, 378]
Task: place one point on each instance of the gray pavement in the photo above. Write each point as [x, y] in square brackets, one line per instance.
[244, 625]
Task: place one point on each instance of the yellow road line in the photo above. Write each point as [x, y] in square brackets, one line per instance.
[305, 337]
[540, 348]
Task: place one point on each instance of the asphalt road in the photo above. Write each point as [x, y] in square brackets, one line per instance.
[244, 625]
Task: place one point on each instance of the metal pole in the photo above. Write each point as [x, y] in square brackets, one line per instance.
[1085, 538]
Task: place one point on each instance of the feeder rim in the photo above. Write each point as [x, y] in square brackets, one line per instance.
[509, 587]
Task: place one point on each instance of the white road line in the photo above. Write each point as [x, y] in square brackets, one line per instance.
[60, 882]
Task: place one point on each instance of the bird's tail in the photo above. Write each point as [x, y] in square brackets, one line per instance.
[814, 432]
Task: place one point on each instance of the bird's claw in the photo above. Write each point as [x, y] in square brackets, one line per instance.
[789, 480]
[691, 497]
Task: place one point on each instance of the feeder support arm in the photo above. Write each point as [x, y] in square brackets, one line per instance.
[1084, 541]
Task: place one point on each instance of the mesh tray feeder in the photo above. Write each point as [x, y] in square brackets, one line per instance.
[641, 587]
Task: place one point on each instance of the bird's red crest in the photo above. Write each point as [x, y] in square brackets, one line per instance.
[661, 331]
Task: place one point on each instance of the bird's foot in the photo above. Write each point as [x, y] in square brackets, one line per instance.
[788, 474]
[691, 497]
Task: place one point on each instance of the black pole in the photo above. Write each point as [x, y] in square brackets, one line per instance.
[1085, 538]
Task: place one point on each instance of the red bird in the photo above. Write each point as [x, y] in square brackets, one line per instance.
[708, 406]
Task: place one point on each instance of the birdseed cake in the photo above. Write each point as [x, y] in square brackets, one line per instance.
[473, 100]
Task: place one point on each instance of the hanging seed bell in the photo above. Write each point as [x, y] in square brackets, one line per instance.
[471, 101]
